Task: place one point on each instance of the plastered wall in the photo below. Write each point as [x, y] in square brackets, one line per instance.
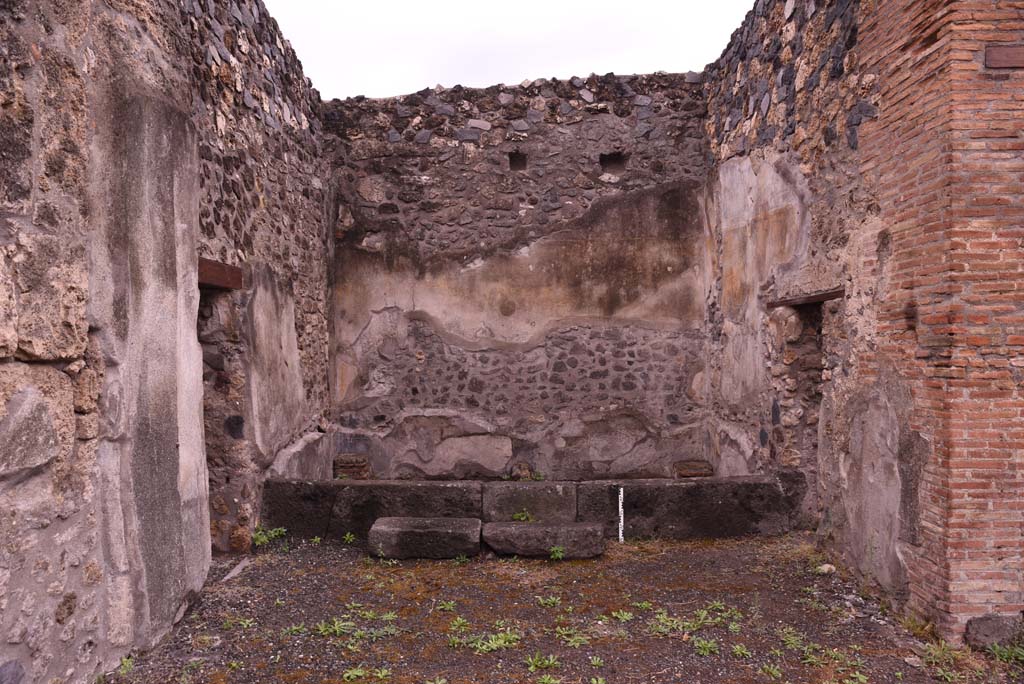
[521, 278]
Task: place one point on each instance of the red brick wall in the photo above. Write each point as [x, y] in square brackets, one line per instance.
[905, 157]
[985, 254]
[946, 157]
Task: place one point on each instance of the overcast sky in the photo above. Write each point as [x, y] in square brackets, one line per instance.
[361, 47]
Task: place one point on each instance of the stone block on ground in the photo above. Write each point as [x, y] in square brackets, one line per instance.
[987, 630]
[425, 537]
[358, 504]
[535, 540]
[545, 502]
[695, 509]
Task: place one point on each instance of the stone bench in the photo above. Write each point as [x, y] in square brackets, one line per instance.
[425, 537]
[332, 509]
[671, 509]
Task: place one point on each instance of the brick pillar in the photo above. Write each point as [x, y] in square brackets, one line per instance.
[946, 157]
[985, 251]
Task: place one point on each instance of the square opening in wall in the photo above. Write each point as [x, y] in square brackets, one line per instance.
[517, 161]
[614, 162]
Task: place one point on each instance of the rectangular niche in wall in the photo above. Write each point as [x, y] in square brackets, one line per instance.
[517, 161]
[614, 162]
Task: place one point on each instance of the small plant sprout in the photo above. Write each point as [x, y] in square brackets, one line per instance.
[792, 639]
[336, 627]
[557, 553]
[436, 680]
[348, 538]
[461, 559]
[446, 606]
[234, 665]
[549, 601]
[262, 537]
[548, 679]
[597, 680]
[941, 654]
[499, 641]
[643, 605]
[1012, 655]
[315, 541]
[382, 673]
[459, 624]
[622, 615]
[571, 637]
[741, 651]
[523, 516]
[771, 671]
[596, 661]
[354, 673]
[705, 647]
[127, 665]
[541, 662]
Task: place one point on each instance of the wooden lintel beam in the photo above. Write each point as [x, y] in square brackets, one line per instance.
[812, 298]
[214, 274]
[1004, 56]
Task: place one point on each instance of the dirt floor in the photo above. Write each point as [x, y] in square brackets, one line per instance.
[751, 610]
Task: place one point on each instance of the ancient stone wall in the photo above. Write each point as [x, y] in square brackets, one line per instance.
[797, 235]
[792, 97]
[103, 480]
[520, 279]
[911, 227]
[135, 137]
[810, 258]
[263, 208]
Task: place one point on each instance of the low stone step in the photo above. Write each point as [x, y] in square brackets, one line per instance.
[536, 540]
[425, 537]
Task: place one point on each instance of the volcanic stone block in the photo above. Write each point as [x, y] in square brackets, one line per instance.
[425, 537]
[546, 502]
[359, 504]
[986, 630]
[696, 509]
[577, 540]
[301, 507]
